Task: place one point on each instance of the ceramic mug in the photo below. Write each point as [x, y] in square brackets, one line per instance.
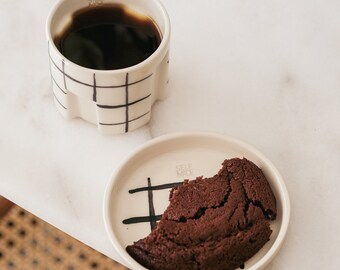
[117, 101]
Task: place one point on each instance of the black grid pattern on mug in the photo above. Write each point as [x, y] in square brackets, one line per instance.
[95, 87]
[152, 218]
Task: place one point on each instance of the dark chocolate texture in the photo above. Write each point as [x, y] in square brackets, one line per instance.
[211, 223]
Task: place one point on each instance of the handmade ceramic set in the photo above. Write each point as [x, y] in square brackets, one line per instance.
[119, 101]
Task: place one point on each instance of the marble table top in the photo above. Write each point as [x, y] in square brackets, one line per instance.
[266, 72]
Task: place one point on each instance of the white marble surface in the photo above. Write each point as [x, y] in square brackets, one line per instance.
[264, 71]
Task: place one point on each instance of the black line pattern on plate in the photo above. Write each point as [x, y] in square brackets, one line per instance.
[152, 218]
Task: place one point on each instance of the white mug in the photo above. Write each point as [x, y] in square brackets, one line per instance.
[117, 101]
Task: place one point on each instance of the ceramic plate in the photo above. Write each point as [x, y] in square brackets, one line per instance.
[138, 191]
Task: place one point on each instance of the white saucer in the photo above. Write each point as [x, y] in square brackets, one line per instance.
[170, 159]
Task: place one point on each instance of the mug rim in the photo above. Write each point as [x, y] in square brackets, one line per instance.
[162, 46]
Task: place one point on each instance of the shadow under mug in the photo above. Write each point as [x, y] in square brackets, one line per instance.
[117, 101]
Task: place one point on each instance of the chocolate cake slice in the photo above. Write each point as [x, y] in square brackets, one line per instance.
[211, 223]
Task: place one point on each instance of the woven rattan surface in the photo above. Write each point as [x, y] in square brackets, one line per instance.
[27, 243]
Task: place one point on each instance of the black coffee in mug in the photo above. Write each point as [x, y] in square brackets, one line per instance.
[108, 37]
